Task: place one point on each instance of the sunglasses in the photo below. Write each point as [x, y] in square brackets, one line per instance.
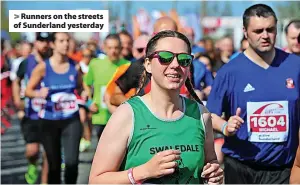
[140, 50]
[166, 57]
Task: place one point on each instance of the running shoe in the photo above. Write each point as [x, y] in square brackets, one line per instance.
[32, 174]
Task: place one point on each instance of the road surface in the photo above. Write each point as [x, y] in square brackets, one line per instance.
[14, 164]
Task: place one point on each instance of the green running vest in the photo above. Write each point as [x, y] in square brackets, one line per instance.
[152, 135]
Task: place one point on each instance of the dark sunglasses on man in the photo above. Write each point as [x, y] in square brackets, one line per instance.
[140, 50]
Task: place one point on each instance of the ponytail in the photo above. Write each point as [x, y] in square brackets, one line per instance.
[142, 81]
[190, 88]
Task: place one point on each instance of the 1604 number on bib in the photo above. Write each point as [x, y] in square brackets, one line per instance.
[267, 121]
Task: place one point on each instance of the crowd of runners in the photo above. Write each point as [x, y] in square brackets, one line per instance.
[166, 109]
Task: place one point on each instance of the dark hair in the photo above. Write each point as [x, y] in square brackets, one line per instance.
[52, 36]
[164, 34]
[124, 32]
[296, 23]
[205, 54]
[150, 48]
[2, 44]
[202, 40]
[241, 43]
[113, 37]
[259, 10]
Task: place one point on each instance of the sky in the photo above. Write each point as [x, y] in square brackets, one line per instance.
[182, 6]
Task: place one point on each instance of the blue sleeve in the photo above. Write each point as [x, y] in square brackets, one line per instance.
[208, 78]
[234, 55]
[218, 98]
[199, 72]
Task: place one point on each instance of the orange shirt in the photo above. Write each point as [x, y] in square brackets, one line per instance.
[110, 89]
[77, 56]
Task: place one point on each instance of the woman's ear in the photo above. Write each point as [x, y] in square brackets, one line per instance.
[147, 65]
[51, 45]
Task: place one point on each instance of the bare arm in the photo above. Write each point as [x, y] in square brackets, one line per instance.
[111, 150]
[210, 154]
[231, 127]
[217, 122]
[79, 79]
[87, 89]
[118, 97]
[37, 74]
[207, 90]
[212, 172]
[111, 108]
[16, 91]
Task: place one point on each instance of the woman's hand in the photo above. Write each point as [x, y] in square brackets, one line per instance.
[43, 92]
[93, 108]
[161, 164]
[84, 95]
[212, 173]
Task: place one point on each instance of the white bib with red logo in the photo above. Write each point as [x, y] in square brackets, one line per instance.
[37, 104]
[268, 121]
[64, 103]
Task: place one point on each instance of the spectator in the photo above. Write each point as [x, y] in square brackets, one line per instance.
[189, 32]
[243, 47]
[73, 52]
[226, 48]
[127, 44]
[292, 31]
[24, 51]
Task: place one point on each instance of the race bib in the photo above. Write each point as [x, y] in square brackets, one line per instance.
[64, 102]
[268, 121]
[102, 103]
[37, 104]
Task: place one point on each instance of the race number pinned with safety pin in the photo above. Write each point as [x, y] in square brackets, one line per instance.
[268, 121]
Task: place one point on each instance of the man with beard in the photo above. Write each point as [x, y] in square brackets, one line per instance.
[30, 124]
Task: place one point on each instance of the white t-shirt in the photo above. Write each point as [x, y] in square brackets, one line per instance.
[84, 67]
[14, 68]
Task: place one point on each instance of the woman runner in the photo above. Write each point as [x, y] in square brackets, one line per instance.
[160, 137]
[59, 117]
